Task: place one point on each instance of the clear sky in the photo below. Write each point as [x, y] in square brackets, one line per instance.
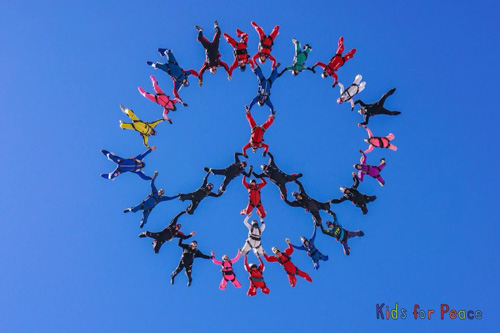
[72, 261]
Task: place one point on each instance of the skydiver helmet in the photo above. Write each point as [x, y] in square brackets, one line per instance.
[303, 239]
[253, 266]
[213, 70]
[185, 83]
[210, 186]
[329, 224]
[243, 67]
[275, 250]
[225, 257]
[342, 189]
[255, 223]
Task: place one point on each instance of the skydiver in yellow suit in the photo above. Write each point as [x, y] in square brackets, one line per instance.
[145, 129]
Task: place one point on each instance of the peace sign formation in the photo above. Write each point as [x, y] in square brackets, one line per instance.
[270, 171]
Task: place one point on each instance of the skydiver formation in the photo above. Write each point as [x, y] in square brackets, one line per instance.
[254, 240]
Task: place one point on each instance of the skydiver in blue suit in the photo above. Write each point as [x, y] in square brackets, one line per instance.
[172, 68]
[134, 164]
[150, 202]
[310, 248]
[264, 90]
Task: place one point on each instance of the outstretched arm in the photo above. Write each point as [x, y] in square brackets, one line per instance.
[370, 134]
[261, 264]
[237, 157]
[298, 247]
[363, 157]
[288, 250]
[313, 237]
[245, 222]
[153, 187]
[244, 182]
[322, 229]
[294, 203]
[360, 102]
[301, 188]
[245, 262]
[205, 180]
[337, 201]
[262, 183]
[235, 259]
[200, 254]
[355, 179]
[250, 119]
[141, 156]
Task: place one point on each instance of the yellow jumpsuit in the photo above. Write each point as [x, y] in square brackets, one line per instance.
[145, 129]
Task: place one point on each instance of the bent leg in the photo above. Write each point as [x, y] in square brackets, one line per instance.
[223, 284]
[304, 275]
[247, 210]
[236, 283]
[292, 280]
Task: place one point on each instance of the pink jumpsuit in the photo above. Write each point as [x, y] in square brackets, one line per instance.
[227, 271]
[378, 141]
[160, 98]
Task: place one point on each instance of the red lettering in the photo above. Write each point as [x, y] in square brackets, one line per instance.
[444, 308]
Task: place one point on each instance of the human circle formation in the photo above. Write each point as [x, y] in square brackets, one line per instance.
[271, 171]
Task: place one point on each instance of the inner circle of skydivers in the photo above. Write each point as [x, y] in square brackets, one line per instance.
[270, 170]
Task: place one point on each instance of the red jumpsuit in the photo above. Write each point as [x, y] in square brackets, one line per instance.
[257, 134]
[285, 261]
[336, 62]
[241, 56]
[254, 200]
[256, 279]
[265, 44]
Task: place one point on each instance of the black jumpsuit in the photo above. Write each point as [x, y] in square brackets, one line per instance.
[377, 108]
[277, 176]
[166, 234]
[311, 205]
[187, 259]
[231, 172]
[212, 55]
[197, 196]
[356, 197]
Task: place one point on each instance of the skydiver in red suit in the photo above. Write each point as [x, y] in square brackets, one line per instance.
[284, 260]
[337, 61]
[241, 57]
[257, 134]
[265, 44]
[254, 200]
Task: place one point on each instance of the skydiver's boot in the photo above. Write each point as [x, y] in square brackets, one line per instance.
[142, 234]
[172, 277]
[162, 51]
[189, 282]
[127, 210]
[361, 233]
[197, 27]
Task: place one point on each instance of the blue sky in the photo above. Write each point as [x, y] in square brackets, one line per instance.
[71, 260]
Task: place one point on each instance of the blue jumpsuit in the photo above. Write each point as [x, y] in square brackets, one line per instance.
[264, 91]
[172, 68]
[134, 165]
[147, 205]
[312, 251]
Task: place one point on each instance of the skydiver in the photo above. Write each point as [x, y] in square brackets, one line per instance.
[379, 141]
[134, 164]
[284, 259]
[189, 253]
[353, 195]
[342, 235]
[310, 248]
[348, 94]
[212, 55]
[254, 239]
[299, 60]
[166, 235]
[227, 270]
[337, 61]
[241, 57]
[257, 133]
[256, 277]
[150, 202]
[309, 204]
[277, 176]
[370, 170]
[201, 193]
[171, 67]
[160, 98]
[254, 198]
[231, 172]
[265, 44]
[369, 110]
[264, 89]
[145, 129]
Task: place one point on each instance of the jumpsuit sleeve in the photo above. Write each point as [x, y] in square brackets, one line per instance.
[313, 237]
[289, 249]
[270, 258]
[235, 259]
[145, 140]
[250, 119]
[263, 183]
[271, 159]
[294, 203]
[215, 195]
[181, 235]
[143, 175]
[153, 187]
[215, 261]
[337, 201]
[184, 246]
[298, 247]
[245, 262]
[262, 226]
[301, 187]
[370, 134]
[363, 158]
[141, 156]
[258, 175]
[323, 229]
[244, 182]
[261, 265]
[237, 157]
[199, 254]
[205, 180]
[245, 222]
[356, 181]
[166, 198]
[156, 122]
[360, 102]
